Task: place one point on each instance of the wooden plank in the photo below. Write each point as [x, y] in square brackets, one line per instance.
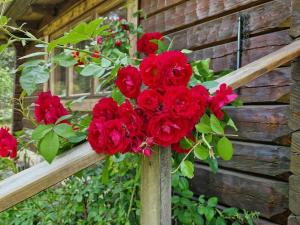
[267, 123]
[224, 56]
[261, 66]
[156, 188]
[269, 160]
[295, 153]
[192, 11]
[77, 11]
[294, 194]
[294, 116]
[294, 220]
[153, 6]
[37, 178]
[263, 18]
[295, 19]
[295, 69]
[269, 197]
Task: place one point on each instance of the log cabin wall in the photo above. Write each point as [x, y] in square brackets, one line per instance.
[257, 177]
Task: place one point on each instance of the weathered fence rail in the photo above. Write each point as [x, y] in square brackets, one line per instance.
[42, 176]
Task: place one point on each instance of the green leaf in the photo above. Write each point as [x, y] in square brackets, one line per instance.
[232, 124]
[31, 76]
[225, 148]
[105, 63]
[79, 137]
[212, 202]
[203, 128]
[213, 164]
[3, 20]
[35, 54]
[41, 131]
[64, 60]
[65, 117]
[209, 214]
[186, 143]
[220, 221]
[117, 96]
[216, 125]
[64, 130]
[3, 47]
[186, 51]
[201, 152]
[92, 70]
[187, 169]
[49, 146]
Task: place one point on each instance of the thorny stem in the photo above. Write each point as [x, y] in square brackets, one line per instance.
[187, 155]
[30, 37]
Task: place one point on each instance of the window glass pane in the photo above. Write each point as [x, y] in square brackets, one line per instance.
[60, 78]
[81, 84]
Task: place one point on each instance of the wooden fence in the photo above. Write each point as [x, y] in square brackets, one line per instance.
[156, 182]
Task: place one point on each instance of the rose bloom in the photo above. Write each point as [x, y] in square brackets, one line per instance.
[150, 72]
[144, 44]
[48, 108]
[107, 137]
[180, 102]
[129, 81]
[150, 100]
[223, 96]
[201, 96]
[129, 117]
[8, 144]
[174, 68]
[106, 109]
[167, 130]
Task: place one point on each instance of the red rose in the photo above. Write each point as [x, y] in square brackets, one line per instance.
[201, 96]
[145, 45]
[48, 108]
[124, 23]
[167, 130]
[223, 96]
[180, 102]
[99, 40]
[117, 140]
[97, 136]
[107, 137]
[175, 69]
[96, 54]
[129, 81]
[136, 140]
[8, 144]
[118, 43]
[105, 109]
[150, 72]
[150, 100]
[129, 117]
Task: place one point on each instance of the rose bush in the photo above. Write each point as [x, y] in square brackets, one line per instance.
[158, 98]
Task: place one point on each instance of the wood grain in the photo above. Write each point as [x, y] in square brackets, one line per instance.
[156, 188]
[267, 196]
[152, 6]
[37, 178]
[294, 220]
[295, 154]
[294, 116]
[261, 159]
[192, 11]
[267, 123]
[224, 56]
[263, 18]
[294, 194]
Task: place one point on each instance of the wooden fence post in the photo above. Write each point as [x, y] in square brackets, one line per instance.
[294, 124]
[156, 188]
